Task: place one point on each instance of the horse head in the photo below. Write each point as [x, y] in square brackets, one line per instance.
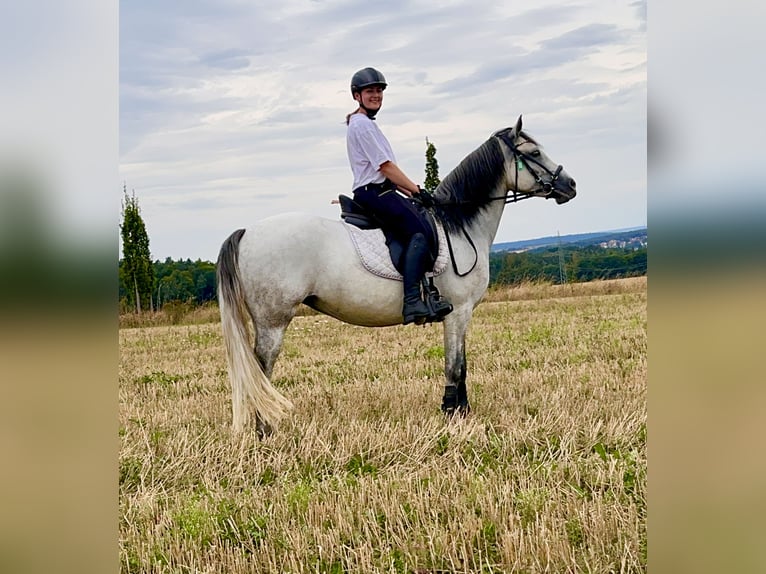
[529, 170]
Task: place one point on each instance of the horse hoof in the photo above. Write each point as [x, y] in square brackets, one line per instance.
[263, 430]
[456, 412]
[460, 409]
[449, 401]
[454, 403]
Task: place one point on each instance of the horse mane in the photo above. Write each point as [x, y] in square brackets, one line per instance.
[467, 189]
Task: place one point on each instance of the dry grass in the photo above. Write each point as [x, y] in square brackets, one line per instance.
[547, 290]
[173, 313]
[177, 313]
[548, 474]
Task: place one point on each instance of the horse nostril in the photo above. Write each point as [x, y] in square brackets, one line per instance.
[572, 184]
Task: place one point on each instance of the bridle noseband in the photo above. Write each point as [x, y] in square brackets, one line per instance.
[522, 159]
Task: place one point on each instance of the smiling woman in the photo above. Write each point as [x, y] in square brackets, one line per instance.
[376, 176]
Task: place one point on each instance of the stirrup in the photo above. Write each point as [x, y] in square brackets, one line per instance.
[438, 306]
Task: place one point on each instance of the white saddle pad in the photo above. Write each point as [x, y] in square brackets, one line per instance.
[371, 246]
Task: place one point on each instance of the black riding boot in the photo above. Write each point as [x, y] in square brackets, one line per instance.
[414, 266]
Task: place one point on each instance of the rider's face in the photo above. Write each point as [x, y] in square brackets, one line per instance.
[371, 98]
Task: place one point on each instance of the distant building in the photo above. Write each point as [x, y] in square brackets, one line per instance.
[632, 243]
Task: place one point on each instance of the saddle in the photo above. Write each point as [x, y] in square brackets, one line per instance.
[354, 214]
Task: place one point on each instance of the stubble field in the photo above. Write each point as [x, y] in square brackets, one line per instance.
[547, 474]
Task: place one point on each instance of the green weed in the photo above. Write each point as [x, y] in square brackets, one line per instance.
[575, 533]
[194, 521]
[358, 465]
[436, 352]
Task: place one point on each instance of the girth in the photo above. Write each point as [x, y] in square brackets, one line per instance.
[354, 214]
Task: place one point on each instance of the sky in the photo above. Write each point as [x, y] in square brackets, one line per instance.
[232, 111]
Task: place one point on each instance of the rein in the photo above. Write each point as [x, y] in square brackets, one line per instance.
[521, 160]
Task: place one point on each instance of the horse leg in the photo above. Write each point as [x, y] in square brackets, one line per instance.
[268, 344]
[455, 398]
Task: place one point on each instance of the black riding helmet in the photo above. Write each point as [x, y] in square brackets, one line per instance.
[366, 78]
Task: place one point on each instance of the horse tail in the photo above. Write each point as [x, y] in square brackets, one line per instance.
[250, 387]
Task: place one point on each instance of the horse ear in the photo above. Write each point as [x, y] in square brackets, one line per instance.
[517, 129]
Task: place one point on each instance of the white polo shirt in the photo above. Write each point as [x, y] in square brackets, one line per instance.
[367, 149]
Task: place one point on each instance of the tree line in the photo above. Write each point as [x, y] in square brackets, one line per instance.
[146, 285]
[186, 281]
[568, 264]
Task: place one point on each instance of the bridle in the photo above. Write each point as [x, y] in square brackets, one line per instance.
[521, 160]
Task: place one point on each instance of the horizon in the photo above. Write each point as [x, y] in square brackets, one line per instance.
[607, 231]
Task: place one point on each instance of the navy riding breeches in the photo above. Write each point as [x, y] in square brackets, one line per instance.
[394, 212]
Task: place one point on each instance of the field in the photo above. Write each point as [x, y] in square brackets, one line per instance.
[547, 474]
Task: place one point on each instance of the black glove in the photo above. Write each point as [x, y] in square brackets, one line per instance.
[425, 198]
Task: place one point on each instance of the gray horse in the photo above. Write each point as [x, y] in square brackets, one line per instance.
[266, 271]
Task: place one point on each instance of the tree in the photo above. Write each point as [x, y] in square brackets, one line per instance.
[432, 168]
[178, 286]
[136, 269]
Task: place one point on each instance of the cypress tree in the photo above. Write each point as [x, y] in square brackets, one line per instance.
[432, 168]
[137, 271]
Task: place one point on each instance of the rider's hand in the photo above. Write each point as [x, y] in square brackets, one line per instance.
[425, 198]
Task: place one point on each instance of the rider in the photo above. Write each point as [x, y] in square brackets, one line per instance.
[376, 181]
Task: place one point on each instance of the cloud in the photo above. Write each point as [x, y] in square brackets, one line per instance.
[233, 59]
[581, 39]
[555, 52]
[640, 8]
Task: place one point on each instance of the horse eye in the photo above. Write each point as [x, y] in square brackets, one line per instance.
[535, 153]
